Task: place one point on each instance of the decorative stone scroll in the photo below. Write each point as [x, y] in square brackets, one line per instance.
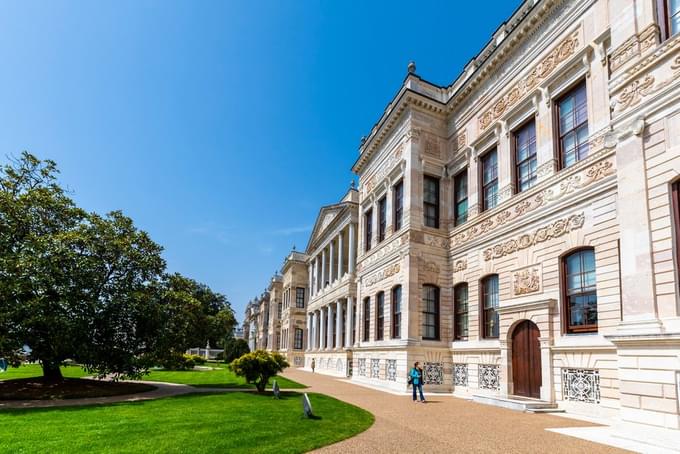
[527, 280]
[554, 230]
[436, 241]
[577, 181]
[539, 73]
[383, 274]
[581, 385]
[633, 93]
[634, 46]
[460, 265]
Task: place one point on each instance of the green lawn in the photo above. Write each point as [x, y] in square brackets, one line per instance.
[230, 422]
[34, 370]
[221, 378]
[218, 378]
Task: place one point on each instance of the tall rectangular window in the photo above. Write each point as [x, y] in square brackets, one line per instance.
[398, 205]
[430, 312]
[580, 292]
[572, 117]
[668, 17]
[367, 318]
[460, 197]
[368, 228]
[460, 306]
[280, 310]
[300, 297]
[525, 156]
[489, 180]
[382, 218]
[490, 298]
[396, 312]
[298, 339]
[380, 316]
[431, 201]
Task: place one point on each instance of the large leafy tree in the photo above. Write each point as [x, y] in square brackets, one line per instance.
[73, 284]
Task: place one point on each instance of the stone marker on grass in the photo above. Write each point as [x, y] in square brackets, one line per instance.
[276, 389]
[307, 406]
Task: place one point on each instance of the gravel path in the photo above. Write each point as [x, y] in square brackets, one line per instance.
[445, 424]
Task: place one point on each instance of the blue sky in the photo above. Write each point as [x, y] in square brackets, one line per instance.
[219, 127]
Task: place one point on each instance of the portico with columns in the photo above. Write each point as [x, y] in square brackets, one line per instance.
[331, 264]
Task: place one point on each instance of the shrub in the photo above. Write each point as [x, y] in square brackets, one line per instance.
[258, 367]
[197, 359]
[178, 361]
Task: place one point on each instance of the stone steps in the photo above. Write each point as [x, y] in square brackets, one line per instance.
[517, 403]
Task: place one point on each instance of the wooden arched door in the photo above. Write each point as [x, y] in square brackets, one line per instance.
[526, 360]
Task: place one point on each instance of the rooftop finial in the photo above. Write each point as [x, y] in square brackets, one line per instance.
[352, 184]
[363, 140]
[293, 247]
[411, 67]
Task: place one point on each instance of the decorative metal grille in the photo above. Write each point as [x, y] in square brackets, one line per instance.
[362, 367]
[489, 376]
[433, 373]
[339, 366]
[582, 385]
[375, 368]
[391, 370]
[298, 361]
[460, 374]
[322, 363]
[350, 368]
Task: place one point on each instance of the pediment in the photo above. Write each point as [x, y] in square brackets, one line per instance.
[325, 218]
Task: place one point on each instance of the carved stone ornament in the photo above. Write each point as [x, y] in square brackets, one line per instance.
[383, 251]
[634, 46]
[633, 94]
[461, 140]
[382, 171]
[539, 73]
[436, 241]
[554, 230]
[527, 280]
[382, 274]
[460, 265]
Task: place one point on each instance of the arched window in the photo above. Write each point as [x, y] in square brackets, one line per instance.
[367, 318]
[580, 297]
[490, 297]
[430, 312]
[396, 312]
[460, 307]
[380, 316]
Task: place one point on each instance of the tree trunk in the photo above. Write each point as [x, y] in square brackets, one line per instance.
[261, 385]
[51, 372]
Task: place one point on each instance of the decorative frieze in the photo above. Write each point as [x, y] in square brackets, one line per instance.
[634, 46]
[383, 170]
[489, 376]
[391, 370]
[526, 280]
[581, 385]
[460, 374]
[539, 73]
[577, 181]
[383, 251]
[436, 241]
[633, 93]
[433, 373]
[554, 230]
[382, 274]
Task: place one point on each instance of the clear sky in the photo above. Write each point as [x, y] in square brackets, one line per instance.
[220, 127]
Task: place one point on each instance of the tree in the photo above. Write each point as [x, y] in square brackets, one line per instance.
[235, 348]
[258, 367]
[74, 284]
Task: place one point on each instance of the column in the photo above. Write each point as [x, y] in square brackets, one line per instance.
[340, 255]
[322, 329]
[329, 327]
[350, 316]
[352, 249]
[323, 269]
[318, 274]
[315, 340]
[309, 331]
[338, 324]
[310, 270]
[331, 262]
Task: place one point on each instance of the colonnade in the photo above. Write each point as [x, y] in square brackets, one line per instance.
[332, 326]
[328, 265]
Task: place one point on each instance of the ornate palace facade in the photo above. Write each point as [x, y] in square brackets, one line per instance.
[517, 230]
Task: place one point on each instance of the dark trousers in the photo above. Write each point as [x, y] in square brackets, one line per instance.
[420, 388]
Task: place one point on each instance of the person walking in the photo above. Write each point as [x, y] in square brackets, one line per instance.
[416, 379]
[313, 364]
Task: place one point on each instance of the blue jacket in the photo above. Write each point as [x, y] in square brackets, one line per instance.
[415, 376]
